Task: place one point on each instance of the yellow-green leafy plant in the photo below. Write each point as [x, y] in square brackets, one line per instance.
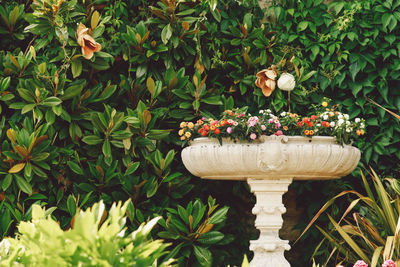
[96, 239]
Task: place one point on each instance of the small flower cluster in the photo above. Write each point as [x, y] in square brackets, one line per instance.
[361, 263]
[239, 125]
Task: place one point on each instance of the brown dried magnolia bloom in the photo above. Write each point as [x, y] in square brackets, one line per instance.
[88, 44]
[266, 81]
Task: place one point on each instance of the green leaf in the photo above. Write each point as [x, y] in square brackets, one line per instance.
[5, 83]
[75, 167]
[219, 216]
[132, 168]
[26, 95]
[302, 26]
[51, 101]
[27, 108]
[72, 91]
[76, 68]
[212, 100]
[211, 237]
[92, 140]
[166, 33]
[23, 185]
[6, 182]
[354, 69]
[107, 149]
[203, 255]
[71, 205]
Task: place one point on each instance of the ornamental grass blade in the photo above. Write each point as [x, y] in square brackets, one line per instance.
[389, 246]
[385, 109]
[375, 256]
[337, 245]
[385, 202]
[324, 207]
[349, 241]
[351, 206]
[373, 202]
[371, 229]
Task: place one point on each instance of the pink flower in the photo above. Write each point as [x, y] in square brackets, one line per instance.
[278, 133]
[253, 136]
[271, 121]
[263, 127]
[229, 130]
[389, 263]
[277, 125]
[360, 263]
[252, 121]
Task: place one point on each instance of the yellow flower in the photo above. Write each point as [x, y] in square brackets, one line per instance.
[88, 44]
[331, 114]
[324, 104]
[183, 138]
[188, 134]
[183, 124]
[190, 125]
[181, 131]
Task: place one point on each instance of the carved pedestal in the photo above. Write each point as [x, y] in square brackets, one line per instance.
[269, 166]
[269, 248]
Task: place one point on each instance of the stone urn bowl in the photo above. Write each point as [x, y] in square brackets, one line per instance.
[269, 165]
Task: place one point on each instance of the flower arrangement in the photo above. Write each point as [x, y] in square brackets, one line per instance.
[238, 124]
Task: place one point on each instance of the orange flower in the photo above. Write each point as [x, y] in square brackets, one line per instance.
[266, 81]
[88, 44]
[306, 132]
[311, 132]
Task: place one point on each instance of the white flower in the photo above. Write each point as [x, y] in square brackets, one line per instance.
[348, 130]
[362, 125]
[340, 117]
[357, 120]
[340, 122]
[318, 124]
[283, 114]
[346, 116]
[347, 122]
[332, 124]
[286, 82]
[268, 111]
[261, 112]
[326, 117]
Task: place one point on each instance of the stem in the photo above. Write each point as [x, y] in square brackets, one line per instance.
[288, 100]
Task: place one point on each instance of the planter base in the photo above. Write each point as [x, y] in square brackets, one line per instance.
[269, 248]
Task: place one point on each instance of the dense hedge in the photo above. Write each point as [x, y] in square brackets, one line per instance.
[74, 130]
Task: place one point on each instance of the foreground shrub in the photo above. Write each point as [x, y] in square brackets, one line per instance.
[96, 239]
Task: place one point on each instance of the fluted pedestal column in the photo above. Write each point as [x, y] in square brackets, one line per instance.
[269, 248]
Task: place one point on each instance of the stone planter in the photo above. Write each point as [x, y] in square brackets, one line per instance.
[269, 166]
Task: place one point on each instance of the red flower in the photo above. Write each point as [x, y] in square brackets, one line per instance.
[217, 131]
[300, 124]
[204, 133]
[313, 117]
[310, 124]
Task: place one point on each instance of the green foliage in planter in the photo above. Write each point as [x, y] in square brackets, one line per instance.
[97, 238]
